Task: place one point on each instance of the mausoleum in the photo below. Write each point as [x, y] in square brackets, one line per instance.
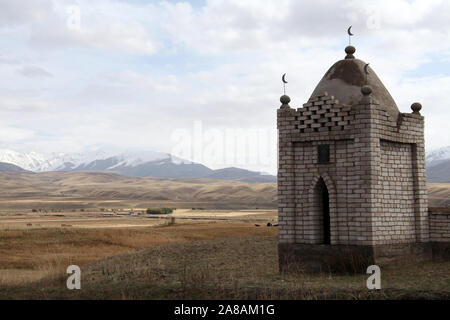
[351, 175]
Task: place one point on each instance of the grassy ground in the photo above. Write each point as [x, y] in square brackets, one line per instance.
[227, 267]
[30, 254]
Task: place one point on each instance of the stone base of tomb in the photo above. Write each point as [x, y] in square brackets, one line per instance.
[440, 250]
[349, 258]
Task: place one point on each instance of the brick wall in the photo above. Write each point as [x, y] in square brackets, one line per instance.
[375, 176]
[394, 214]
[347, 175]
[400, 206]
[439, 224]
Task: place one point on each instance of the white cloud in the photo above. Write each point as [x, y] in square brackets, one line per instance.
[126, 38]
[430, 91]
[12, 135]
[106, 25]
[18, 12]
[34, 72]
[131, 74]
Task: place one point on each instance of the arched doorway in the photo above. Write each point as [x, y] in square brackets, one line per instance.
[322, 212]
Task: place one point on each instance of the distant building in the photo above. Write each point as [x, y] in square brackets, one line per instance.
[351, 175]
[123, 213]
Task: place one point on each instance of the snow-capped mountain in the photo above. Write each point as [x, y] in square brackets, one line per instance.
[38, 162]
[29, 161]
[130, 163]
[34, 161]
[164, 165]
[438, 155]
[108, 161]
[438, 165]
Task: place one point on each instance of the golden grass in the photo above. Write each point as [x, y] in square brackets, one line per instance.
[439, 194]
[92, 219]
[22, 277]
[231, 268]
[27, 255]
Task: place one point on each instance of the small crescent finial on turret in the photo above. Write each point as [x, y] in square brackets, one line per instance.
[350, 34]
[350, 50]
[283, 79]
[366, 71]
[349, 31]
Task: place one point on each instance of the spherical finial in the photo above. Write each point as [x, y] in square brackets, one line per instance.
[416, 107]
[285, 101]
[350, 50]
[366, 90]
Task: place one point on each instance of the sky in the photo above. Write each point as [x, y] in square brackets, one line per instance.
[202, 79]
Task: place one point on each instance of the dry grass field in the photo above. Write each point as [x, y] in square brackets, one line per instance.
[34, 247]
[123, 218]
[213, 248]
[227, 267]
[191, 259]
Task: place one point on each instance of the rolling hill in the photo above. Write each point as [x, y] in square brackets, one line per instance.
[438, 165]
[439, 172]
[9, 167]
[65, 190]
[89, 189]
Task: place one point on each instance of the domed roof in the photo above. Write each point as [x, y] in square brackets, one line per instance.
[345, 79]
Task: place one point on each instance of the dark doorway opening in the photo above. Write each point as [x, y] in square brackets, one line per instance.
[322, 213]
[326, 215]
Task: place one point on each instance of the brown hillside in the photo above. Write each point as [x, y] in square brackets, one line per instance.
[82, 189]
[65, 190]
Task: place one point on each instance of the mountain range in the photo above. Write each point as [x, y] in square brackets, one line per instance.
[166, 166]
[135, 164]
[9, 167]
[438, 165]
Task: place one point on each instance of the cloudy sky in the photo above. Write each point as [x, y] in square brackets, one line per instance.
[201, 78]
